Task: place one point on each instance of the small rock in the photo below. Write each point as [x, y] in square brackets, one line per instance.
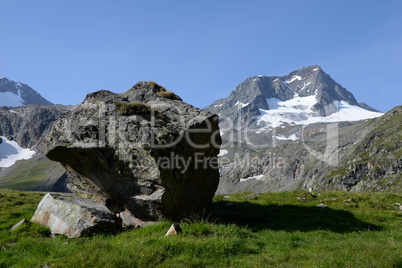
[21, 222]
[399, 205]
[129, 220]
[174, 229]
[350, 200]
[322, 205]
[302, 199]
[226, 196]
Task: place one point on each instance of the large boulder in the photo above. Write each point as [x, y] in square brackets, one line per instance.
[74, 217]
[145, 151]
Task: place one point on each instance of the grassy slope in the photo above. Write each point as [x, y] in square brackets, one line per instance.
[28, 175]
[381, 146]
[273, 229]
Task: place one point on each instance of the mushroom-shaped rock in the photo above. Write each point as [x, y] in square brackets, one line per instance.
[145, 151]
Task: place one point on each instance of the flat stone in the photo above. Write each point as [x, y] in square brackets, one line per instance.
[128, 220]
[74, 216]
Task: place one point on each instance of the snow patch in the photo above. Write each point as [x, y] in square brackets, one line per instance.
[219, 105]
[297, 111]
[316, 69]
[242, 104]
[11, 111]
[305, 85]
[258, 177]
[294, 78]
[11, 152]
[18, 85]
[10, 99]
[346, 112]
[292, 137]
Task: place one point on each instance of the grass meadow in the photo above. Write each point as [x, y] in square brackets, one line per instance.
[244, 230]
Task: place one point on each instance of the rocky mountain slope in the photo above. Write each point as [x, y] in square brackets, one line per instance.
[341, 156]
[22, 164]
[24, 118]
[14, 94]
[26, 124]
[304, 123]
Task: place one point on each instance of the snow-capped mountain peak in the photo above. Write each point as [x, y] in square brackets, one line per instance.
[304, 96]
[13, 94]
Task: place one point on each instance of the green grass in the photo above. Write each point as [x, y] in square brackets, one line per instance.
[27, 176]
[133, 108]
[264, 230]
[168, 95]
[154, 85]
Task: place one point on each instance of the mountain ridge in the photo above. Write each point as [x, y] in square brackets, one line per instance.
[244, 104]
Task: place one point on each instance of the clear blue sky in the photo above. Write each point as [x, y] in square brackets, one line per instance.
[200, 49]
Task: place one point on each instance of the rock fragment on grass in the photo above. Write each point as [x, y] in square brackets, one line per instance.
[174, 229]
[322, 206]
[74, 216]
[21, 222]
[130, 221]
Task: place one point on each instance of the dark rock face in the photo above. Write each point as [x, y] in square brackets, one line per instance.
[368, 158]
[153, 156]
[26, 124]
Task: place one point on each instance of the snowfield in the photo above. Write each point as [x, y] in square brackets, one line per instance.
[11, 152]
[297, 111]
[258, 177]
[10, 99]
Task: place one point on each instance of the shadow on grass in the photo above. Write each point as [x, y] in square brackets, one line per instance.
[288, 218]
